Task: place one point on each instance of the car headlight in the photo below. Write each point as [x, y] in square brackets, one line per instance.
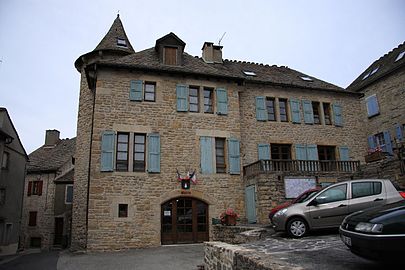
[369, 227]
[280, 212]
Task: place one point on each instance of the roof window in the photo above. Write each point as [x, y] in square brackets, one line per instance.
[249, 73]
[121, 42]
[306, 78]
[400, 56]
[366, 76]
[374, 70]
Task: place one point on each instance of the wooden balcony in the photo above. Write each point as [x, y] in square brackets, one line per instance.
[263, 166]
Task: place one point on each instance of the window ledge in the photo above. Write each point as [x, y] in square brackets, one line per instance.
[372, 116]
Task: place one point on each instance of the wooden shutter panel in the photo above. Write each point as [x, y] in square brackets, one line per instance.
[261, 112]
[372, 106]
[399, 132]
[371, 142]
[308, 112]
[312, 152]
[206, 148]
[222, 101]
[29, 188]
[40, 183]
[182, 98]
[344, 153]
[234, 156]
[388, 144]
[337, 113]
[263, 151]
[154, 153]
[135, 93]
[295, 111]
[107, 151]
[300, 152]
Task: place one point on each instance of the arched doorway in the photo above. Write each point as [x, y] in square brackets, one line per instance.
[184, 220]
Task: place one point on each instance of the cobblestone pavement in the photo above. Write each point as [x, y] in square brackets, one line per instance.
[323, 250]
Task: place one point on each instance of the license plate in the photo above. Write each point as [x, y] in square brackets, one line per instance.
[346, 240]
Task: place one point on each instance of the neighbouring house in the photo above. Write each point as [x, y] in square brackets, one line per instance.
[251, 135]
[383, 87]
[13, 160]
[48, 194]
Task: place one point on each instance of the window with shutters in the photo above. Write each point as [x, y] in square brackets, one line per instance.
[282, 103]
[36, 188]
[170, 56]
[372, 106]
[32, 220]
[193, 98]
[315, 110]
[280, 151]
[326, 152]
[271, 111]
[122, 152]
[208, 100]
[380, 140]
[327, 114]
[150, 91]
[220, 155]
[139, 152]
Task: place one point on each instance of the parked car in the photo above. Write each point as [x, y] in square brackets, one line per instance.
[329, 207]
[377, 233]
[303, 196]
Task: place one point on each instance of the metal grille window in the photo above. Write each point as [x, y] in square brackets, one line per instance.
[315, 109]
[193, 99]
[122, 152]
[150, 91]
[208, 100]
[271, 113]
[282, 103]
[139, 152]
[326, 113]
[220, 155]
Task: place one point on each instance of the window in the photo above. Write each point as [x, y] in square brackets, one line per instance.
[69, 194]
[123, 210]
[220, 155]
[2, 196]
[121, 42]
[281, 151]
[122, 152]
[35, 242]
[32, 221]
[337, 193]
[150, 91]
[326, 153]
[139, 152]
[170, 56]
[271, 113]
[400, 56]
[380, 140]
[315, 110]
[249, 73]
[282, 103]
[372, 106]
[326, 113]
[193, 99]
[374, 70]
[6, 157]
[208, 96]
[35, 188]
[306, 78]
[363, 189]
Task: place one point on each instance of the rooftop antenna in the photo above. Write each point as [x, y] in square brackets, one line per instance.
[219, 41]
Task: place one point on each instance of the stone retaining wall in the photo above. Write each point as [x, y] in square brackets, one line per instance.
[238, 234]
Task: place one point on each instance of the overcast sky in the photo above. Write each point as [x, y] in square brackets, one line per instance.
[333, 40]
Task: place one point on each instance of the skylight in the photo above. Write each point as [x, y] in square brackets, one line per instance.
[400, 55]
[374, 70]
[121, 42]
[249, 73]
[306, 78]
[365, 76]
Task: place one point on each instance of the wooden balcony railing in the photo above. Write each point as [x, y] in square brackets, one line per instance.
[263, 166]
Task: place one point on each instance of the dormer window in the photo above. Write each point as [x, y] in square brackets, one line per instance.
[170, 56]
[121, 43]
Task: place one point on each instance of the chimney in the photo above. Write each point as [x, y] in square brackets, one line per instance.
[51, 137]
[212, 53]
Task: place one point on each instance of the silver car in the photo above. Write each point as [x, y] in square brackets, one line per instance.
[328, 207]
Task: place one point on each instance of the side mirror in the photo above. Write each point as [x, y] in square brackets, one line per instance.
[314, 202]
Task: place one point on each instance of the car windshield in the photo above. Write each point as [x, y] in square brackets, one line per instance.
[310, 195]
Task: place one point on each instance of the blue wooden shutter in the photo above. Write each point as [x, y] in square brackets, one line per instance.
[263, 151]
[300, 152]
[308, 112]
[135, 93]
[222, 101]
[337, 113]
[312, 152]
[153, 153]
[261, 112]
[234, 156]
[206, 147]
[372, 106]
[399, 132]
[295, 111]
[182, 98]
[371, 142]
[344, 153]
[107, 151]
[388, 144]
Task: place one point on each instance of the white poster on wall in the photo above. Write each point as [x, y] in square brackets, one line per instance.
[294, 186]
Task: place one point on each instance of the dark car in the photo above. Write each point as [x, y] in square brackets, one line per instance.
[376, 233]
[303, 196]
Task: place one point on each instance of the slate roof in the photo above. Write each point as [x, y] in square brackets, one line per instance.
[66, 177]
[46, 158]
[386, 65]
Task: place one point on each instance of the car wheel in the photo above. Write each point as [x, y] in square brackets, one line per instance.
[297, 227]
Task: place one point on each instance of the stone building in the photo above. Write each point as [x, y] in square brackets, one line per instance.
[383, 113]
[249, 131]
[48, 194]
[13, 159]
